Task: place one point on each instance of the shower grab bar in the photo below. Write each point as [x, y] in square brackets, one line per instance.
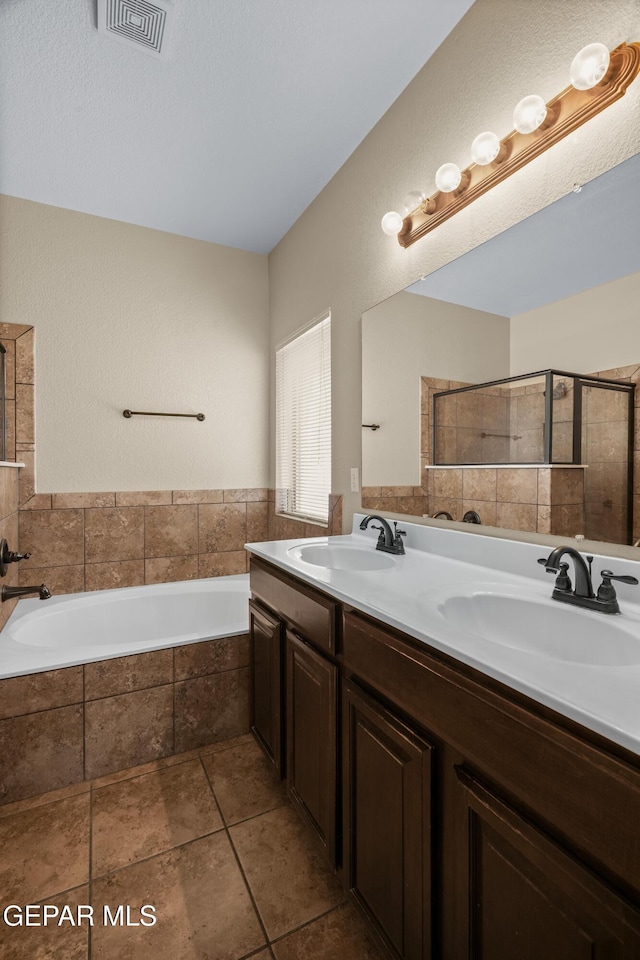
[506, 436]
[147, 413]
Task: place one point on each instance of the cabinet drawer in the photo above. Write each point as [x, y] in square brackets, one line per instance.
[307, 611]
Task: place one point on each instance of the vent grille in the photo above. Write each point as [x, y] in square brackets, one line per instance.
[137, 23]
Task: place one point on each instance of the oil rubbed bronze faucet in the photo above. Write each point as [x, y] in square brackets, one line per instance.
[8, 593]
[604, 600]
[390, 541]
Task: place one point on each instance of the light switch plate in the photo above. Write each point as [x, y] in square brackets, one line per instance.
[355, 479]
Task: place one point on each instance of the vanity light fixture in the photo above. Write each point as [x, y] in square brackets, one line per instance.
[598, 79]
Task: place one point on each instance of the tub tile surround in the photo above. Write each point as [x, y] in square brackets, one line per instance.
[195, 835]
[60, 727]
[100, 541]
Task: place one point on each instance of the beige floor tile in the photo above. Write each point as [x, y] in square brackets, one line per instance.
[340, 935]
[203, 908]
[44, 850]
[244, 781]
[8, 809]
[147, 815]
[288, 876]
[50, 942]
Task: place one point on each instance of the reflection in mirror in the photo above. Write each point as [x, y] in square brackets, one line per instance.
[557, 292]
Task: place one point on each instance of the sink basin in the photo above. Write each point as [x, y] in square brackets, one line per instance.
[341, 557]
[545, 627]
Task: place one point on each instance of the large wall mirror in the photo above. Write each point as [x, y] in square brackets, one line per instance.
[505, 441]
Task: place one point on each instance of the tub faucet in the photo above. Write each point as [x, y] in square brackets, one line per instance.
[8, 593]
[388, 540]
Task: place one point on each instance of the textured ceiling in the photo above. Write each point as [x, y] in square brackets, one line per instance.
[256, 107]
[581, 241]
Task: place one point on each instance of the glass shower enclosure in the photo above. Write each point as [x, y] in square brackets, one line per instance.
[551, 417]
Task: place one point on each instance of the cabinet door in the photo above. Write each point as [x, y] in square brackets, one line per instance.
[266, 634]
[522, 896]
[387, 770]
[311, 739]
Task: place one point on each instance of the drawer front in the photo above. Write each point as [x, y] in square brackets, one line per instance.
[310, 613]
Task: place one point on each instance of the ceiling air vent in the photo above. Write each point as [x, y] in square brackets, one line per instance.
[137, 23]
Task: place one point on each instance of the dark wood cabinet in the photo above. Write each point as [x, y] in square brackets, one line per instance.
[387, 773]
[469, 821]
[266, 636]
[521, 896]
[312, 691]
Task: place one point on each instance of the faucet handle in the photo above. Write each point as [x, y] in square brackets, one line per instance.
[606, 590]
[398, 533]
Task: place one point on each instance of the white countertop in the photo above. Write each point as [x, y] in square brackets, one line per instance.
[440, 563]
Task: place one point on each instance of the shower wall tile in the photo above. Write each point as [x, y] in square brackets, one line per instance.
[517, 516]
[479, 484]
[517, 486]
[170, 569]
[40, 691]
[10, 369]
[113, 533]
[25, 415]
[486, 510]
[128, 729]
[10, 406]
[170, 531]
[114, 573]
[108, 678]
[27, 479]
[39, 501]
[68, 579]
[25, 357]
[8, 491]
[53, 537]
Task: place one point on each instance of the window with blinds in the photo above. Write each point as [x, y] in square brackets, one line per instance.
[303, 424]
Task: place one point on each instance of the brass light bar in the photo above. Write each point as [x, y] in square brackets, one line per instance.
[565, 113]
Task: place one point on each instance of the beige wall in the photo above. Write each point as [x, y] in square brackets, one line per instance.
[597, 329]
[403, 339]
[131, 317]
[336, 255]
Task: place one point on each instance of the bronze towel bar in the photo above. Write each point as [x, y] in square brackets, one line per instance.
[147, 413]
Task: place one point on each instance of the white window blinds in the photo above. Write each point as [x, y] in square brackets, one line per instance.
[303, 424]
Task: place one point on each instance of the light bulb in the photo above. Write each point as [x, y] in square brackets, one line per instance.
[589, 66]
[448, 177]
[529, 114]
[391, 223]
[485, 148]
[413, 199]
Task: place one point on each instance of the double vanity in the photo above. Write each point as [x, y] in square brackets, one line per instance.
[464, 748]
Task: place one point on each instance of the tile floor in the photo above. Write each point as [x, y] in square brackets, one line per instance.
[207, 837]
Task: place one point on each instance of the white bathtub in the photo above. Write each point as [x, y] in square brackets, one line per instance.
[80, 628]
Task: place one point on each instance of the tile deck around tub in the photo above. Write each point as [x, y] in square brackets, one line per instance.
[206, 837]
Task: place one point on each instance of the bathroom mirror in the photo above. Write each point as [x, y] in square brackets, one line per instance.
[559, 290]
